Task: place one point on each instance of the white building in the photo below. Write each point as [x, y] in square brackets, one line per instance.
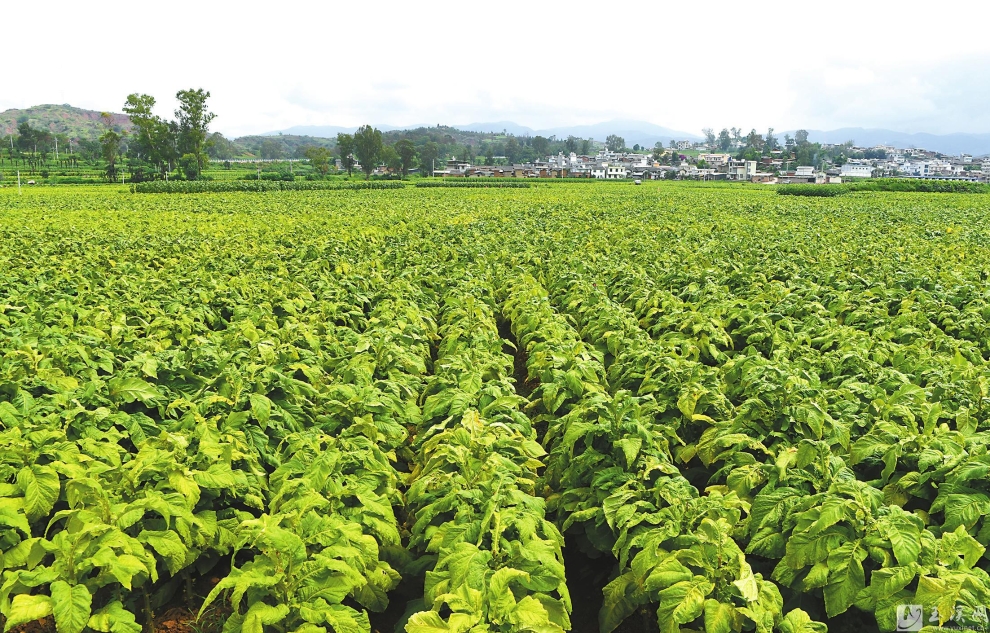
[852, 170]
[715, 160]
[741, 169]
[615, 172]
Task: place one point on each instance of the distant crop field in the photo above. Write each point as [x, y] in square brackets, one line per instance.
[588, 407]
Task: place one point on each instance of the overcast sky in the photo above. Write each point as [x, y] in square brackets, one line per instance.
[906, 66]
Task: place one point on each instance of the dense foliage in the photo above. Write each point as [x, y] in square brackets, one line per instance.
[901, 185]
[759, 414]
[919, 185]
[475, 183]
[232, 186]
[813, 191]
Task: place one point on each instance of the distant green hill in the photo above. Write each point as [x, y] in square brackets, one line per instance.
[286, 145]
[76, 123]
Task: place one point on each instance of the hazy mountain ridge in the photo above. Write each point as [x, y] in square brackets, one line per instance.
[959, 143]
[76, 123]
[80, 123]
[647, 134]
[634, 132]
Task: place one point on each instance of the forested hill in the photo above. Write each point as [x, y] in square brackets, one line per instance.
[76, 123]
[450, 142]
[442, 135]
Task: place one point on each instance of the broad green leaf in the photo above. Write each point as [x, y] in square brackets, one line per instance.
[40, 485]
[134, 389]
[630, 448]
[428, 622]
[797, 621]
[71, 606]
[529, 615]
[344, 619]
[25, 608]
[260, 614]
[167, 545]
[8, 415]
[682, 603]
[747, 585]
[114, 618]
[499, 595]
[621, 598]
[719, 617]
[11, 518]
[904, 532]
[846, 578]
[261, 408]
[239, 581]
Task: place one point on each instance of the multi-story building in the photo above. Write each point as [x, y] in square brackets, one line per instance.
[739, 169]
[715, 160]
[606, 171]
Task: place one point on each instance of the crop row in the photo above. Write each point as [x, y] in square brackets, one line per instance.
[233, 186]
[295, 415]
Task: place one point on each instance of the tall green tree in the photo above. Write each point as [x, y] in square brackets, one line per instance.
[272, 149]
[110, 142]
[390, 158]
[709, 137]
[801, 137]
[428, 154]
[724, 140]
[153, 139]
[368, 147]
[345, 145]
[541, 145]
[319, 158]
[615, 143]
[219, 148]
[657, 151]
[407, 154]
[512, 149]
[193, 119]
[771, 140]
[754, 140]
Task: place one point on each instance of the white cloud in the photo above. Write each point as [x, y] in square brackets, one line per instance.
[681, 65]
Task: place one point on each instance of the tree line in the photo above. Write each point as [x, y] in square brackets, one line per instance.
[38, 148]
[159, 145]
[798, 149]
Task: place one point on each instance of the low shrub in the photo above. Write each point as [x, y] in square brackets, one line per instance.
[475, 184]
[815, 191]
[234, 186]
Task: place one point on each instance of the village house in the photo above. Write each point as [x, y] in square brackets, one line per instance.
[715, 160]
[454, 168]
[856, 170]
[804, 174]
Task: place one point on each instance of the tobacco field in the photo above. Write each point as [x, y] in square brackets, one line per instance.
[601, 408]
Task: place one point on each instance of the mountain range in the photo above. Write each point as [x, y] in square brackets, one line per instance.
[647, 134]
[76, 123]
[975, 144]
[79, 123]
[634, 132]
